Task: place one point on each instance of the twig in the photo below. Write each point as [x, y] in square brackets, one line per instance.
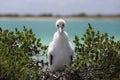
[114, 73]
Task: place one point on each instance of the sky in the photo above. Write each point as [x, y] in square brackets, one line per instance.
[60, 7]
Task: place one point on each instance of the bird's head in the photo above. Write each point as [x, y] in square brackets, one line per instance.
[60, 24]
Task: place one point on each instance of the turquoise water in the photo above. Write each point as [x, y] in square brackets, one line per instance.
[45, 29]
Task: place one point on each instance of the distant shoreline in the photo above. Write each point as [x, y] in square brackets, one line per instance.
[66, 18]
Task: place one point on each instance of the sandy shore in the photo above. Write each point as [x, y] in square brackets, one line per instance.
[55, 18]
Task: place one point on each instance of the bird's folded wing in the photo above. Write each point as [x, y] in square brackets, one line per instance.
[50, 53]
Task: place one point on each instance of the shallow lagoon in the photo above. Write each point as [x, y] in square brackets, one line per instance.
[44, 29]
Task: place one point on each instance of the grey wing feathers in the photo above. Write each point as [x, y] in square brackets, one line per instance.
[71, 58]
[51, 59]
[50, 53]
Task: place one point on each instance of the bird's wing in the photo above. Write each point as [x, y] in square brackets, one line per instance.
[50, 53]
[51, 59]
[71, 56]
[70, 45]
[71, 51]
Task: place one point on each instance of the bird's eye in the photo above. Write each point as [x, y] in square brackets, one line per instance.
[57, 25]
[63, 25]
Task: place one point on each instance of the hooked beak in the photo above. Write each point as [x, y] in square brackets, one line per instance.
[60, 30]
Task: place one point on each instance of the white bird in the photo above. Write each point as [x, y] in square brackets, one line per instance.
[60, 52]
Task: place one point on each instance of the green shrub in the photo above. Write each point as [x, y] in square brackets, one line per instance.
[97, 57]
[16, 50]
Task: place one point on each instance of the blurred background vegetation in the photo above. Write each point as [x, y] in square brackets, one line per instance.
[97, 57]
[51, 15]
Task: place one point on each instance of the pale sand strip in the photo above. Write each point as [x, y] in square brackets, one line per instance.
[55, 18]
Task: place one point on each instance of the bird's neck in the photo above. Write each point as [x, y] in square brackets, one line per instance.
[60, 39]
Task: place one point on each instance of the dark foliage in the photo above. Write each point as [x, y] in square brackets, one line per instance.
[97, 57]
